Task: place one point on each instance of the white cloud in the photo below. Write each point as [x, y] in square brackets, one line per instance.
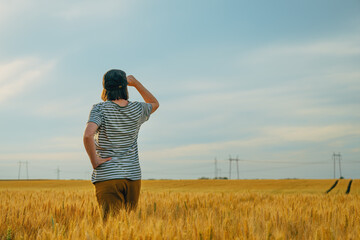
[268, 136]
[356, 150]
[312, 133]
[298, 108]
[42, 156]
[64, 143]
[93, 8]
[329, 111]
[193, 151]
[291, 99]
[60, 143]
[20, 75]
[8, 8]
[15, 11]
[64, 108]
[12, 13]
[320, 48]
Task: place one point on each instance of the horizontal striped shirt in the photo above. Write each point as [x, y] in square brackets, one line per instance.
[116, 137]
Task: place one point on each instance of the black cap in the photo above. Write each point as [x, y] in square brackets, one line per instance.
[114, 79]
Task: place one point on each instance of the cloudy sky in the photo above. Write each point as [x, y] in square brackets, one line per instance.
[274, 83]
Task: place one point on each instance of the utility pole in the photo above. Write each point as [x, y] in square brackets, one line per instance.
[340, 164]
[334, 164]
[58, 173]
[237, 163]
[337, 156]
[230, 167]
[216, 169]
[27, 170]
[19, 169]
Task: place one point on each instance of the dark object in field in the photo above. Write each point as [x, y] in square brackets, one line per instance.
[336, 182]
[349, 186]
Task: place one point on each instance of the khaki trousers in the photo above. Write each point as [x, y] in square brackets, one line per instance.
[116, 194]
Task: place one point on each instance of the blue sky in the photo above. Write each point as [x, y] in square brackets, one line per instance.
[276, 83]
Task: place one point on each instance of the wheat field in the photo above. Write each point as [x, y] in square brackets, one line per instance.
[184, 209]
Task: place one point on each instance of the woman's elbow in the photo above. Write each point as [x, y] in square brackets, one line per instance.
[87, 137]
[155, 106]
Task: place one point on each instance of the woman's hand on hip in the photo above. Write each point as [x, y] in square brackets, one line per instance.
[100, 161]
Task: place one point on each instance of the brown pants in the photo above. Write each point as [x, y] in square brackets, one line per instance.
[113, 195]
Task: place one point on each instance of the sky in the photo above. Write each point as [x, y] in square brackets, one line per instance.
[275, 84]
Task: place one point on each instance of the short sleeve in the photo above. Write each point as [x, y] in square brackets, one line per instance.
[95, 115]
[146, 109]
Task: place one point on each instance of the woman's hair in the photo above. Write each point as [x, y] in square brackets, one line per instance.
[115, 86]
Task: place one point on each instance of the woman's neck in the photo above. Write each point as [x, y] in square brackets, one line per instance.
[121, 102]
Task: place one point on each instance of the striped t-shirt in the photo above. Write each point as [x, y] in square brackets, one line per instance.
[116, 137]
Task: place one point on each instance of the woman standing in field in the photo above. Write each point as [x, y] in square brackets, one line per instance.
[110, 140]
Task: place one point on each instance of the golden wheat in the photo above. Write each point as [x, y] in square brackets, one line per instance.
[213, 209]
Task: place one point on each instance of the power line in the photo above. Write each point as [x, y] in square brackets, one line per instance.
[190, 169]
[284, 162]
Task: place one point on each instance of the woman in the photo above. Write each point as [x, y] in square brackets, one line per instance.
[110, 140]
